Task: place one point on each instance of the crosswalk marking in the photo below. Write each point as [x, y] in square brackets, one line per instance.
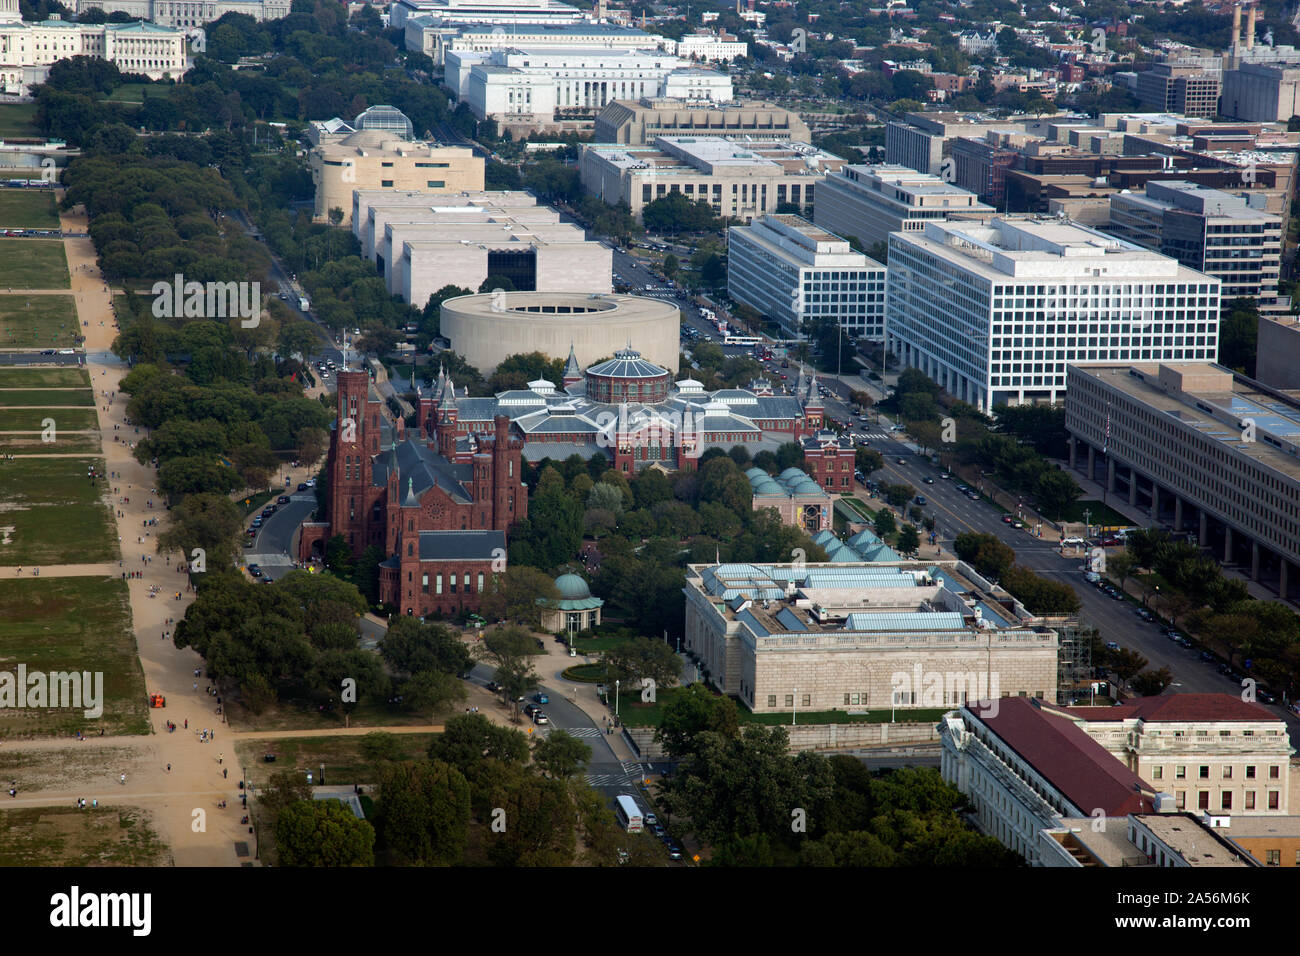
[585, 731]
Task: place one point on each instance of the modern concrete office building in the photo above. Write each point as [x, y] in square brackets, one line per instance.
[1208, 230]
[1276, 348]
[737, 178]
[853, 637]
[1189, 89]
[996, 312]
[419, 245]
[870, 202]
[921, 140]
[794, 272]
[1262, 91]
[1200, 448]
[380, 154]
[637, 122]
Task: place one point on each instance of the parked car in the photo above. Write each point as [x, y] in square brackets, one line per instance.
[494, 687]
[282, 500]
[541, 698]
[302, 486]
[1007, 519]
[674, 851]
[1112, 646]
[1207, 656]
[540, 718]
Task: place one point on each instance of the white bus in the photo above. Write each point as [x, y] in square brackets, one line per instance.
[733, 339]
[629, 814]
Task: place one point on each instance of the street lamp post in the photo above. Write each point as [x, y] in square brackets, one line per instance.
[616, 697]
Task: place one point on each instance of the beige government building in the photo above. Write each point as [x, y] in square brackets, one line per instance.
[637, 122]
[859, 637]
[420, 243]
[378, 151]
[1198, 448]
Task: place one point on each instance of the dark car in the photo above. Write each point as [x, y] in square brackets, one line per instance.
[541, 698]
[530, 709]
[255, 571]
[493, 686]
[1206, 656]
[1264, 697]
[302, 486]
[282, 500]
[47, 351]
[928, 480]
[920, 500]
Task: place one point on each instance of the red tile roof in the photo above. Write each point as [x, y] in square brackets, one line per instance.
[1174, 708]
[1074, 763]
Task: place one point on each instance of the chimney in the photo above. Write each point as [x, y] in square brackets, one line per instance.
[1236, 25]
[1250, 27]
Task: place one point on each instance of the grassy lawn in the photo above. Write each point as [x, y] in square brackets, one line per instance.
[72, 624]
[38, 321]
[34, 264]
[14, 377]
[64, 444]
[17, 122]
[129, 93]
[38, 397]
[27, 209]
[54, 514]
[29, 419]
[66, 836]
[345, 760]
[1099, 514]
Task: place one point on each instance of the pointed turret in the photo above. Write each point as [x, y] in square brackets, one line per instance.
[572, 371]
[813, 397]
[410, 501]
[800, 384]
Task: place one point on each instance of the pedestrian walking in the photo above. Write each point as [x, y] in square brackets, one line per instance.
[124, 780]
[220, 757]
[225, 773]
[169, 768]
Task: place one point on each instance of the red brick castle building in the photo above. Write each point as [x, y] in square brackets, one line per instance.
[439, 506]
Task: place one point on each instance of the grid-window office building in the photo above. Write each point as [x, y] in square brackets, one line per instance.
[1203, 449]
[994, 312]
[1212, 231]
[870, 202]
[793, 272]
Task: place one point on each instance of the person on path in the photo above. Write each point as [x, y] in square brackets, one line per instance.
[169, 768]
[124, 780]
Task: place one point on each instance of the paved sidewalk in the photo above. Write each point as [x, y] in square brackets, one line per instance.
[582, 695]
[1141, 517]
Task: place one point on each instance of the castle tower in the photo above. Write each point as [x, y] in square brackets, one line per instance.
[409, 584]
[447, 418]
[393, 528]
[350, 462]
[814, 411]
[509, 499]
[572, 370]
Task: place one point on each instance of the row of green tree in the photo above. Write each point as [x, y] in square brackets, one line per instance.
[738, 788]
[995, 560]
[961, 434]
